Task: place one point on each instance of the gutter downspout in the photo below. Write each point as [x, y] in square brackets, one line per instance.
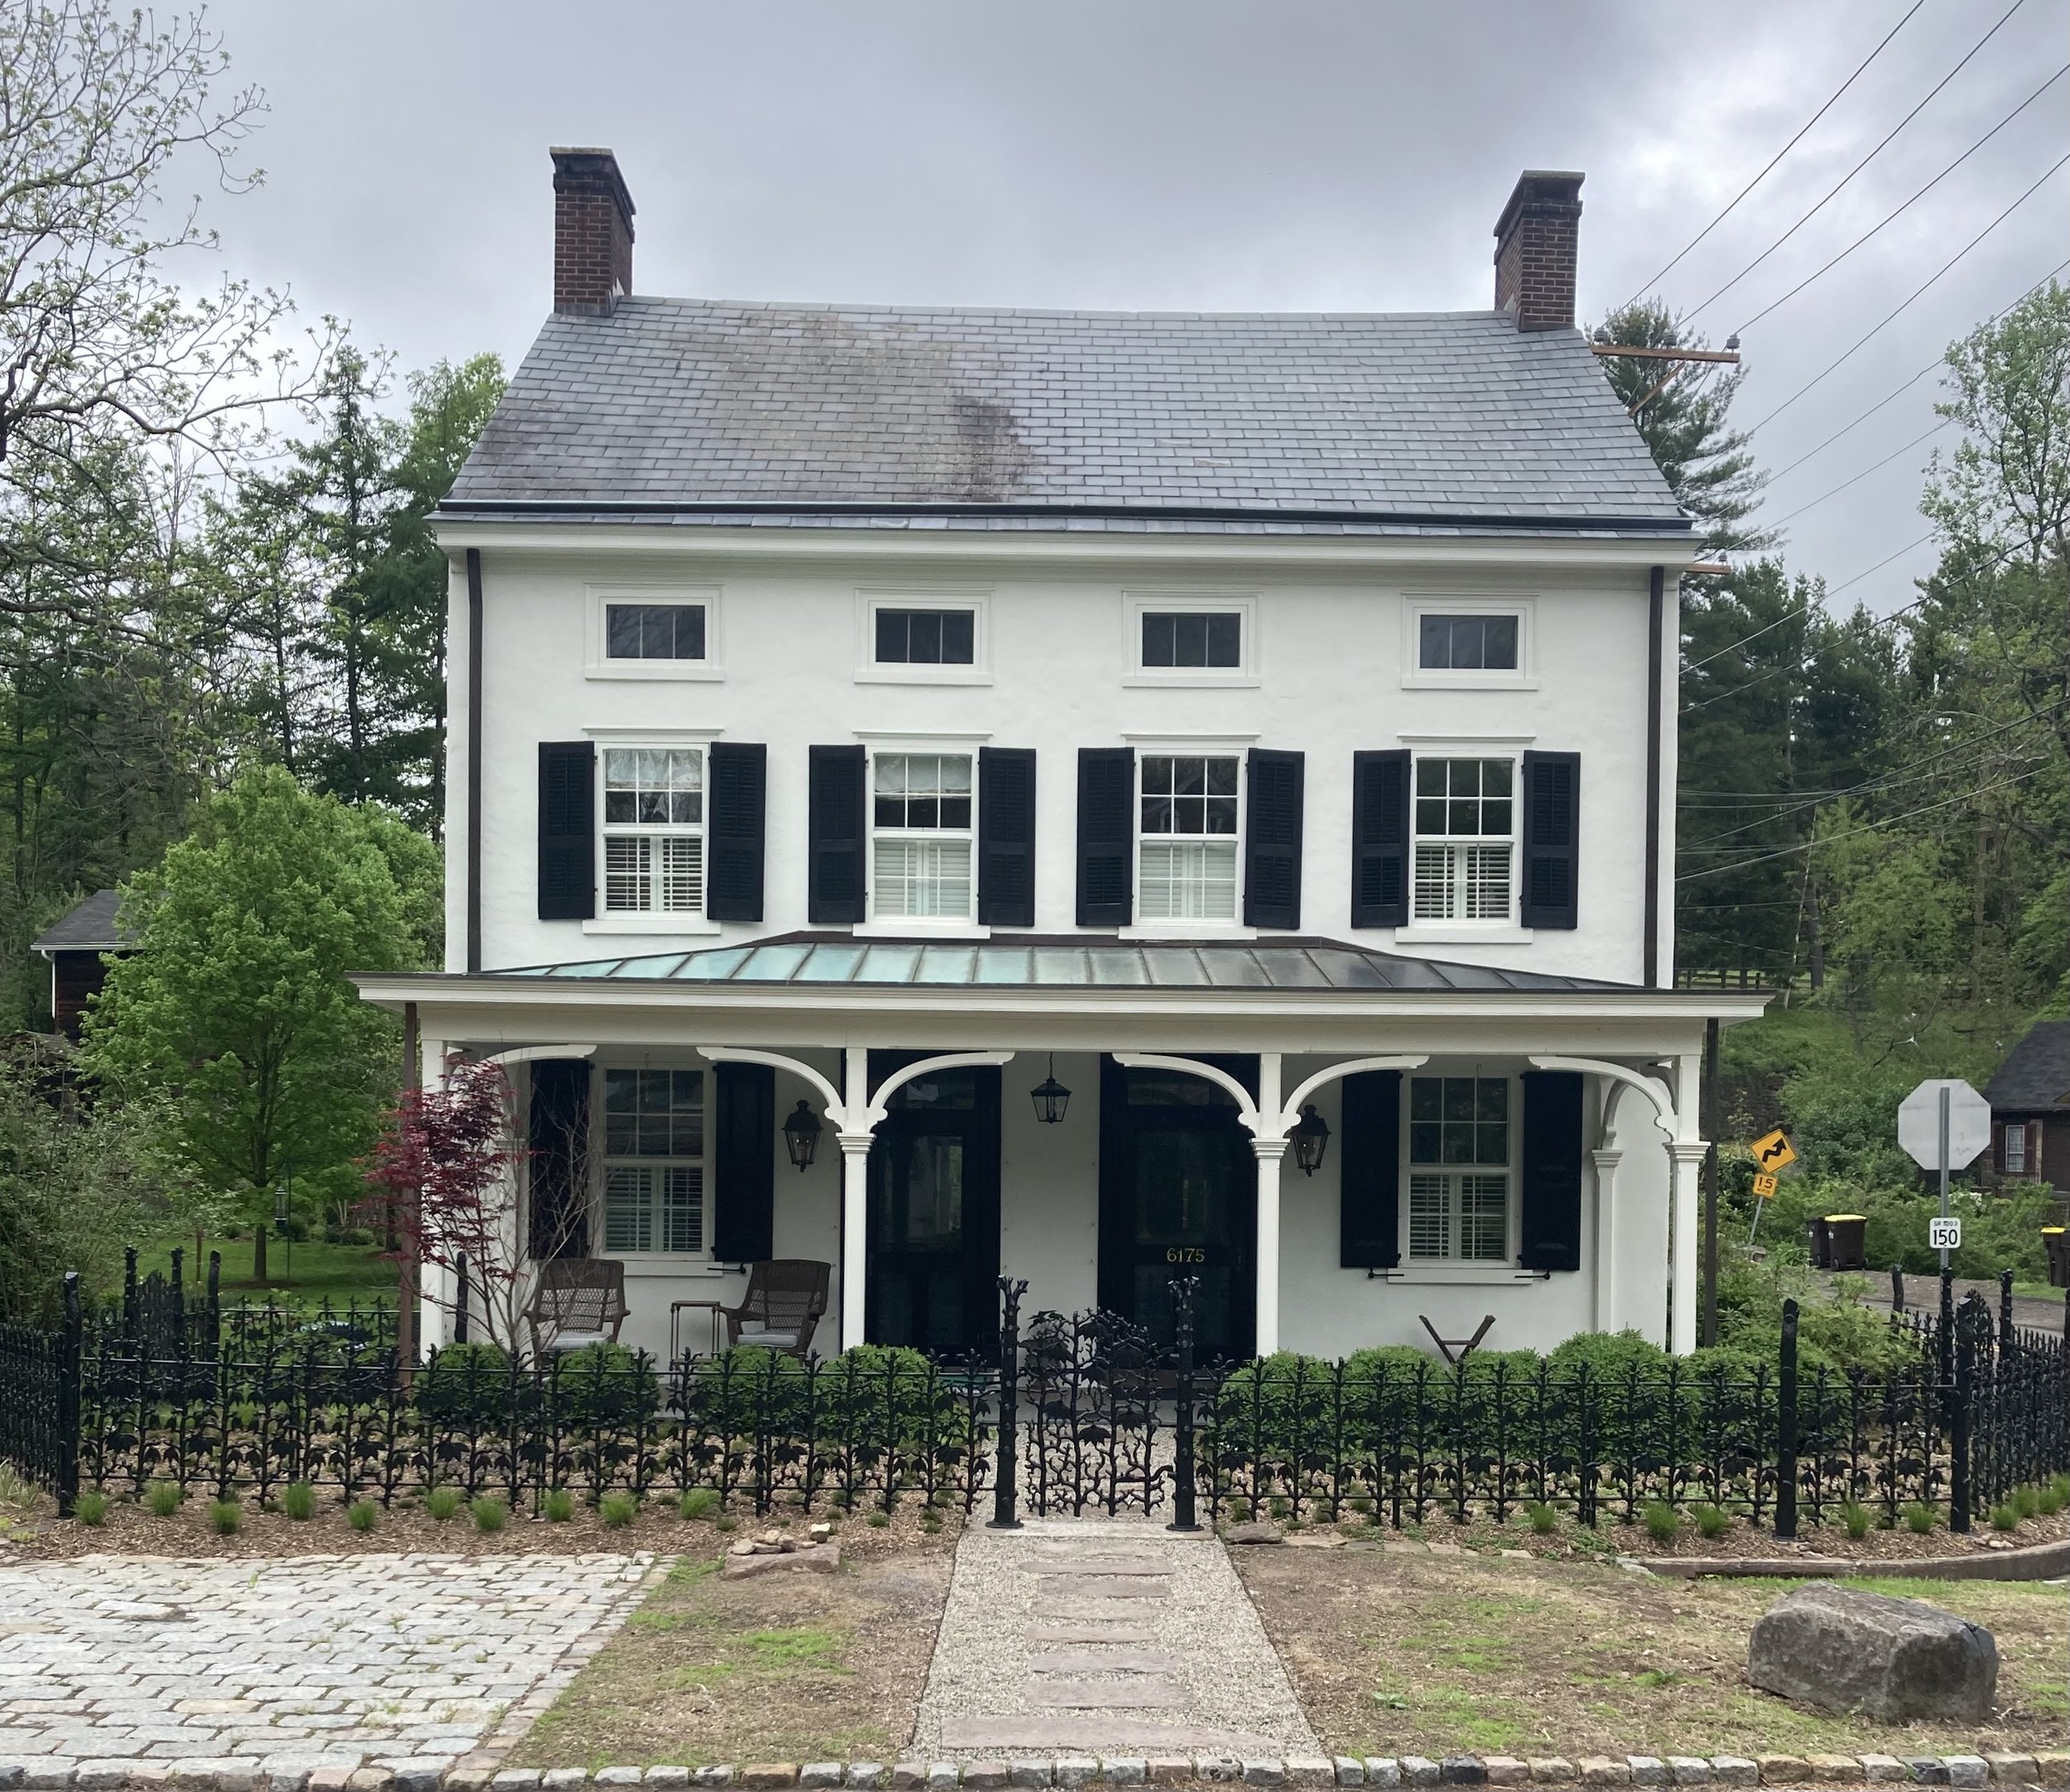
[1656, 606]
[474, 757]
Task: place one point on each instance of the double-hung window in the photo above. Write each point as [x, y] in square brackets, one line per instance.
[653, 831]
[1466, 839]
[920, 836]
[1459, 1137]
[653, 1160]
[2015, 1148]
[1187, 870]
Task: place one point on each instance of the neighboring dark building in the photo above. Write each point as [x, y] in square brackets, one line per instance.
[75, 946]
[2030, 1108]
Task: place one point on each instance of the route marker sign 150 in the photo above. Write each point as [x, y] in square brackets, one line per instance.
[1944, 1232]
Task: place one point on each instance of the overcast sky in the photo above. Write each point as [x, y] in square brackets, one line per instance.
[1198, 155]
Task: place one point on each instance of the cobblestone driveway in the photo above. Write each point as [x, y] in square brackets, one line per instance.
[316, 1661]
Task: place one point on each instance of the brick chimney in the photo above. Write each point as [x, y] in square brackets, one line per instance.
[1536, 240]
[592, 232]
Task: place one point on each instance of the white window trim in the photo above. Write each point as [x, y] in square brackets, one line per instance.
[597, 665]
[1242, 604]
[1509, 931]
[651, 923]
[874, 926]
[1416, 606]
[975, 599]
[653, 1262]
[1218, 747]
[1459, 1269]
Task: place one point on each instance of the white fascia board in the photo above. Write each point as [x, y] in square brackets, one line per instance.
[1024, 547]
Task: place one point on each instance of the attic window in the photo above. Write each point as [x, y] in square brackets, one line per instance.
[654, 631]
[926, 636]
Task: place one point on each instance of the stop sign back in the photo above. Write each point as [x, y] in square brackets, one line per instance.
[1969, 1122]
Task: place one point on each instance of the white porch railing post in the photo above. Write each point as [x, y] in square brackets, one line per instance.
[1270, 1144]
[1606, 1313]
[854, 1196]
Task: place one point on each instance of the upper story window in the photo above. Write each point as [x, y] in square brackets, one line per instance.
[2015, 1153]
[1459, 1141]
[654, 631]
[920, 836]
[1486, 641]
[1186, 865]
[926, 636]
[1465, 839]
[653, 830]
[653, 1160]
[1181, 638]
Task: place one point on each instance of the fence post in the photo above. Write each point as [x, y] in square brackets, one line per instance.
[1006, 1466]
[459, 1298]
[129, 1297]
[71, 1351]
[1786, 1429]
[2005, 1310]
[1946, 1335]
[1958, 1487]
[180, 1299]
[1183, 1516]
[215, 1298]
[1897, 1287]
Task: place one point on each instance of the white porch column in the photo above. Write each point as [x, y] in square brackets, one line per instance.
[1270, 1144]
[854, 1196]
[1681, 1307]
[1605, 1309]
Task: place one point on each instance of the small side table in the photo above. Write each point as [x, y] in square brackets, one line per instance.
[676, 1311]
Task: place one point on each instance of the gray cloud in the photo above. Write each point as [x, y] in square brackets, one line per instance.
[1291, 156]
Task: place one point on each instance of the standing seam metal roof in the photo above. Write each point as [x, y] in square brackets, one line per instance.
[1433, 415]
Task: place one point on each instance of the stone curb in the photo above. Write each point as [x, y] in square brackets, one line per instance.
[2050, 1771]
[2035, 1562]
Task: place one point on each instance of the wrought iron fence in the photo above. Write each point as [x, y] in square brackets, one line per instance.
[1079, 1413]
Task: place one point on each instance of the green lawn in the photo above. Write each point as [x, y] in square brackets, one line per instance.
[308, 1273]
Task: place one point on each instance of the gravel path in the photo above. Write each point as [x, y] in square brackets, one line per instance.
[313, 1661]
[1093, 1635]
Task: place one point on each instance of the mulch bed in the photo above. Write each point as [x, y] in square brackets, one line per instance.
[1395, 1654]
[38, 1534]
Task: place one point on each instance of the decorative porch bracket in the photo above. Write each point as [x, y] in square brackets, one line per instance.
[854, 1115]
[1268, 1120]
[1676, 1115]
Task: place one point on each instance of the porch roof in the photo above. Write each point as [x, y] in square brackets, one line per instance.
[1068, 962]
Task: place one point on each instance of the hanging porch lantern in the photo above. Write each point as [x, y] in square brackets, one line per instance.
[1050, 1096]
[802, 1134]
[1310, 1140]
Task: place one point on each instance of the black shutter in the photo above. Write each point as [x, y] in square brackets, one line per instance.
[1106, 836]
[1006, 836]
[1379, 839]
[836, 820]
[557, 1220]
[1552, 839]
[1552, 1193]
[1369, 1171]
[736, 796]
[1272, 839]
[567, 831]
[743, 1156]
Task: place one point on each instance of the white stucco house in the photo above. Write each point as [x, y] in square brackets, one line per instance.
[888, 718]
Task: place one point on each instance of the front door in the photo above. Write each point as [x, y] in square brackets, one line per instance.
[934, 1213]
[1178, 1197]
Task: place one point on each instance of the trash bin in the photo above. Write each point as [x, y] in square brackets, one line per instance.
[1822, 1244]
[1845, 1246]
[2057, 1246]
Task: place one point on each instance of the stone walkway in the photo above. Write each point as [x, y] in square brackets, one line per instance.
[407, 1661]
[1100, 1637]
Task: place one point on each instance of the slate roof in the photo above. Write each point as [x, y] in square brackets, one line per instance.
[2036, 1073]
[1067, 962]
[765, 413]
[90, 926]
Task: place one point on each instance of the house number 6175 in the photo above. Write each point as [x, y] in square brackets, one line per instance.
[1185, 1253]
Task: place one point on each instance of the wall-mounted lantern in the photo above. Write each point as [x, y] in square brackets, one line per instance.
[1050, 1096]
[1310, 1140]
[802, 1134]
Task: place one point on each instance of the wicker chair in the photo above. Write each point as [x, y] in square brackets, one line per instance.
[785, 1298]
[578, 1301]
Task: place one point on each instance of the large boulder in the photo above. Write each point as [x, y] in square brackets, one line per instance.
[1893, 1659]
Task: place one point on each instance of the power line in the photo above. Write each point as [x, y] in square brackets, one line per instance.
[1833, 191]
[1819, 273]
[1863, 474]
[1801, 610]
[1906, 304]
[1780, 154]
[1871, 827]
